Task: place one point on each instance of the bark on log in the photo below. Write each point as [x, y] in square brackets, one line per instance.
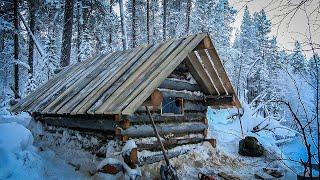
[193, 106]
[187, 117]
[179, 85]
[147, 130]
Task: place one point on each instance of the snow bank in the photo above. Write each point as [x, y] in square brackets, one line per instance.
[20, 159]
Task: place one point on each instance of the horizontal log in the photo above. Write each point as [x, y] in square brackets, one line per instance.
[158, 118]
[179, 85]
[163, 129]
[168, 144]
[217, 101]
[194, 106]
[92, 124]
[187, 95]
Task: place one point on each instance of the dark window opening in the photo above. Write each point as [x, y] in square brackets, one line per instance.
[172, 106]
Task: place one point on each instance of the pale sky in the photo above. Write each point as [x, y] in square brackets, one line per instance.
[286, 35]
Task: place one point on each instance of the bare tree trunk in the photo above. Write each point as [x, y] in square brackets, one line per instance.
[110, 33]
[188, 17]
[148, 19]
[79, 26]
[67, 33]
[133, 23]
[164, 23]
[16, 48]
[32, 17]
[123, 27]
[153, 21]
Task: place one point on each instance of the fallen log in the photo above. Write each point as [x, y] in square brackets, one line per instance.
[147, 130]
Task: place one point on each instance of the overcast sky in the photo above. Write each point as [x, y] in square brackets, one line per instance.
[286, 36]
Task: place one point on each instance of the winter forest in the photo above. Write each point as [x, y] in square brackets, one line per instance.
[278, 86]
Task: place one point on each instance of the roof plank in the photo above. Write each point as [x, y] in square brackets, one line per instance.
[137, 77]
[212, 72]
[97, 93]
[95, 84]
[108, 95]
[82, 82]
[164, 70]
[200, 73]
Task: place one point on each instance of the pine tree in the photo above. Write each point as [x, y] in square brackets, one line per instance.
[297, 59]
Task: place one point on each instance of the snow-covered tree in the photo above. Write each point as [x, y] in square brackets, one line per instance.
[297, 59]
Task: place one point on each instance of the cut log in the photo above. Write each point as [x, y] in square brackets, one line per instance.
[179, 85]
[187, 95]
[93, 124]
[154, 100]
[187, 117]
[147, 130]
[132, 158]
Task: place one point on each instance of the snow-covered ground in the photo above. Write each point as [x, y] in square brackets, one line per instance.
[27, 149]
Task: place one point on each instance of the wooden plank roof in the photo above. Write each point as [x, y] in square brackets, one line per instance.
[118, 83]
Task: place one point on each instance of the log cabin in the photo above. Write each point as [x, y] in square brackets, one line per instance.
[178, 79]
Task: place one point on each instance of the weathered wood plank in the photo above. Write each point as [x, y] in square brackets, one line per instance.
[111, 94]
[163, 71]
[103, 73]
[199, 71]
[211, 71]
[24, 103]
[133, 81]
[99, 92]
[81, 82]
[213, 55]
[163, 129]
[63, 84]
[175, 84]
